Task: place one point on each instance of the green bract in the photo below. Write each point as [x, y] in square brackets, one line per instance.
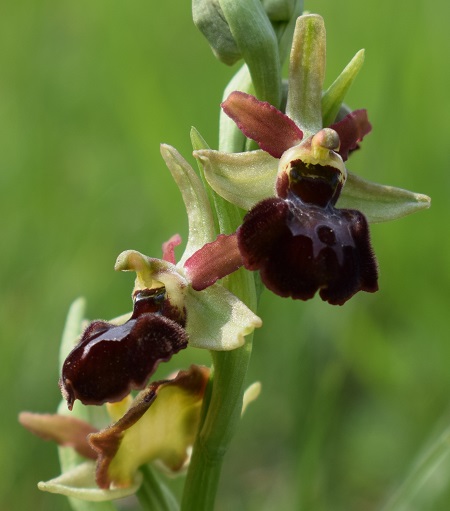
[80, 483]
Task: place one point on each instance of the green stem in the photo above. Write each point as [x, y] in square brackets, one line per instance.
[153, 495]
[258, 44]
[224, 411]
[223, 407]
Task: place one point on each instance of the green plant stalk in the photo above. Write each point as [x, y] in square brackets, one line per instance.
[153, 495]
[222, 410]
[223, 406]
[221, 420]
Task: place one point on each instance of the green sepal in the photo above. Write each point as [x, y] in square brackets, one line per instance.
[228, 321]
[306, 74]
[334, 96]
[380, 203]
[73, 328]
[231, 138]
[243, 179]
[79, 483]
[200, 216]
[198, 143]
[226, 214]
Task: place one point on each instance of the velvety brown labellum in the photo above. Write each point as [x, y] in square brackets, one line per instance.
[110, 360]
[300, 249]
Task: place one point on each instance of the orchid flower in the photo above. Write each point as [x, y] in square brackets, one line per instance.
[101, 463]
[110, 359]
[296, 234]
[160, 424]
[305, 232]
[113, 358]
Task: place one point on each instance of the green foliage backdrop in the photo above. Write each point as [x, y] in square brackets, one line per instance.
[351, 395]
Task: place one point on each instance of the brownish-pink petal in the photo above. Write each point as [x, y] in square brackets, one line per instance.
[168, 248]
[213, 261]
[351, 130]
[274, 131]
[65, 431]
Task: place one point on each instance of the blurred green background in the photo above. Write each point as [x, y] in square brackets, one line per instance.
[351, 395]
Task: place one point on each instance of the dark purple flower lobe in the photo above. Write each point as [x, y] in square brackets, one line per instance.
[300, 249]
[314, 184]
[110, 360]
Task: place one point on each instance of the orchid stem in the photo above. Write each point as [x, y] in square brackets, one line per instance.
[218, 428]
[153, 495]
[222, 410]
[223, 405]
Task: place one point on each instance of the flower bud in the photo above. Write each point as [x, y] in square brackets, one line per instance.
[279, 10]
[210, 20]
[242, 29]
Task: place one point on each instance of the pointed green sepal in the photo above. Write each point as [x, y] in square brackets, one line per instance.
[334, 96]
[73, 328]
[79, 482]
[228, 321]
[306, 74]
[231, 138]
[380, 203]
[228, 216]
[200, 217]
[197, 140]
[243, 179]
